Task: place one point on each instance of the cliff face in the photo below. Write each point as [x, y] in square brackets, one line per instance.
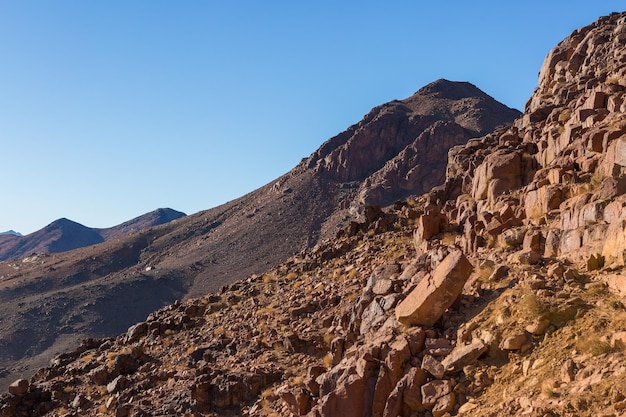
[561, 164]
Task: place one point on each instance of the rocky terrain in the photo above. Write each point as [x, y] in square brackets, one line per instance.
[497, 293]
[52, 300]
[63, 235]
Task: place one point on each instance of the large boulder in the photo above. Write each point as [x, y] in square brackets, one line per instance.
[433, 296]
[614, 243]
[500, 172]
[539, 202]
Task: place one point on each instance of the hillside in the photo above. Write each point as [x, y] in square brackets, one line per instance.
[50, 302]
[498, 293]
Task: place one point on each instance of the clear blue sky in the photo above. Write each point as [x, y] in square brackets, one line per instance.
[112, 109]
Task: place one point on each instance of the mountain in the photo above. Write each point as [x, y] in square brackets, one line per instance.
[498, 292]
[11, 232]
[400, 146]
[154, 218]
[399, 149]
[64, 235]
[50, 301]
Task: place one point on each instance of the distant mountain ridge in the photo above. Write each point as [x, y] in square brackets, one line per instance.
[63, 235]
[11, 232]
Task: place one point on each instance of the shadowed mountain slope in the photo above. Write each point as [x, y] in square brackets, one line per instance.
[154, 218]
[59, 236]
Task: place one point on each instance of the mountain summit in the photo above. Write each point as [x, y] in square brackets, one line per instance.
[400, 148]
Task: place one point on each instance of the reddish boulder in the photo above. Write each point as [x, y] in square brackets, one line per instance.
[432, 297]
[19, 387]
[503, 166]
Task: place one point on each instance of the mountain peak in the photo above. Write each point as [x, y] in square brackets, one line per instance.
[167, 214]
[64, 234]
[452, 90]
[64, 222]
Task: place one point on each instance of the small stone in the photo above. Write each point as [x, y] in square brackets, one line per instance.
[372, 316]
[514, 342]
[537, 283]
[398, 355]
[529, 257]
[136, 331]
[526, 366]
[466, 408]
[110, 402]
[434, 390]
[336, 348]
[118, 384]
[618, 340]
[438, 347]
[595, 261]
[429, 225]
[433, 366]
[383, 286]
[464, 355]
[444, 405]
[499, 272]
[412, 395]
[416, 337]
[568, 371]
[79, 401]
[310, 382]
[533, 240]
[538, 327]
[298, 402]
[19, 387]
[555, 270]
[99, 375]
